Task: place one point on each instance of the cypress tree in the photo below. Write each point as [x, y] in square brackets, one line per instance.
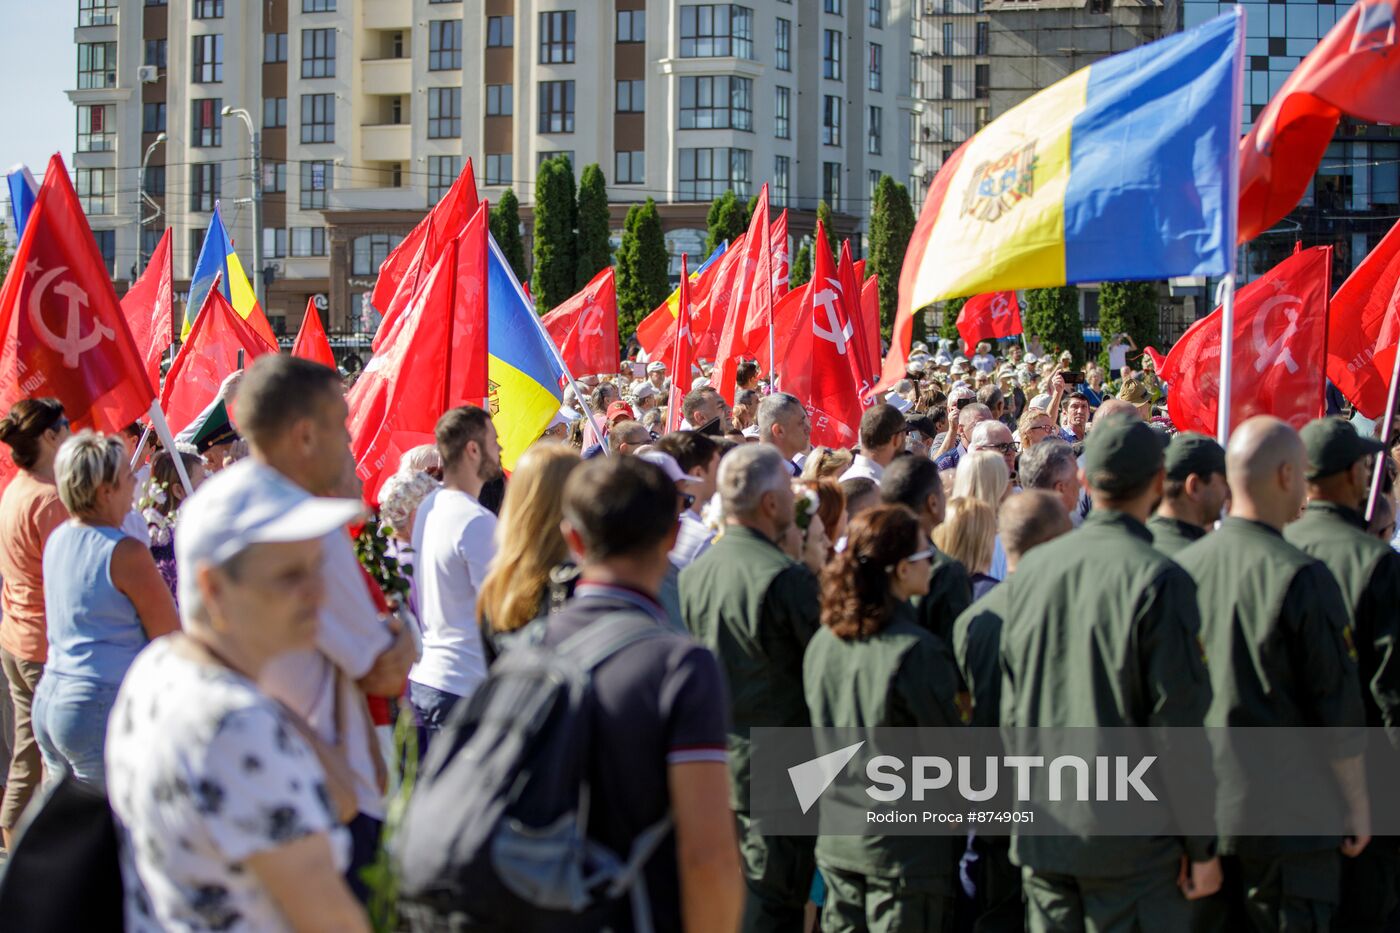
[1128, 308]
[643, 267]
[726, 220]
[556, 246]
[1053, 315]
[800, 272]
[824, 219]
[949, 329]
[594, 250]
[505, 227]
[891, 226]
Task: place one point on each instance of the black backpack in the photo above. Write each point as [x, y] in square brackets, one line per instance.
[496, 832]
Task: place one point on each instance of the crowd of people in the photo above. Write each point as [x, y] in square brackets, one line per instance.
[1013, 541]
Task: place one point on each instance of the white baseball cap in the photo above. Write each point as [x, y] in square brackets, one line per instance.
[668, 465]
[656, 366]
[645, 390]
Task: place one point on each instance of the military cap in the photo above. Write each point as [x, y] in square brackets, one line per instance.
[1125, 448]
[1190, 452]
[1333, 446]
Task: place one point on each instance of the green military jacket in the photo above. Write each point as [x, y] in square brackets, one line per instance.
[902, 676]
[1170, 535]
[1276, 634]
[977, 646]
[756, 609]
[1100, 629]
[1368, 572]
[949, 593]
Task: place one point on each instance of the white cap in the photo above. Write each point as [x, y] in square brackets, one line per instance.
[1042, 402]
[656, 366]
[750, 431]
[248, 504]
[898, 402]
[645, 390]
[668, 465]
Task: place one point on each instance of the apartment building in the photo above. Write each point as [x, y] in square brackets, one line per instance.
[951, 58]
[366, 110]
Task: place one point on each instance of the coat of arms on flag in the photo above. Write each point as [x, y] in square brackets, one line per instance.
[997, 187]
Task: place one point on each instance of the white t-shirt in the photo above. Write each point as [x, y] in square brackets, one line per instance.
[453, 539]
[693, 539]
[204, 771]
[863, 467]
[1117, 356]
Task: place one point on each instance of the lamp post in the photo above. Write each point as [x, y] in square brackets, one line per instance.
[141, 202]
[257, 276]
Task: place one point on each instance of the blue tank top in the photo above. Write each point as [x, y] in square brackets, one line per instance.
[94, 631]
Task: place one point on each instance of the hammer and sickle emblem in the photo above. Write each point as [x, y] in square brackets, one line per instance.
[1000, 307]
[592, 322]
[73, 344]
[1272, 354]
[834, 331]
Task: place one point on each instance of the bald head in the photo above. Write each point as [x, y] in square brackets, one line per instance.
[1028, 519]
[1117, 408]
[1265, 464]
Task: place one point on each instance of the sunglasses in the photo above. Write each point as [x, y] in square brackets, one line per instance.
[62, 424]
[926, 554]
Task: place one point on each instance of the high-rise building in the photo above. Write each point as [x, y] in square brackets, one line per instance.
[952, 52]
[366, 110]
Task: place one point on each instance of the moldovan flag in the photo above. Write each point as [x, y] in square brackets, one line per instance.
[1363, 330]
[682, 356]
[826, 384]
[207, 358]
[149, 309]
[219, 263]
[584, 328]
[1354, 70]
[433, 233]
[1279, 341]
[986, 317]
[1123, 170]
[312, 343]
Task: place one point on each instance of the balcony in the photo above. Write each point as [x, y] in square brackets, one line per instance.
[387, 14]
[375, 199]
[386, 143]
[388, 76]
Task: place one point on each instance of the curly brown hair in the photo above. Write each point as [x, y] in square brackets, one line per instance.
[856, 598]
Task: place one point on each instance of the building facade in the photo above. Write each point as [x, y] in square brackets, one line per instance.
[366, 110]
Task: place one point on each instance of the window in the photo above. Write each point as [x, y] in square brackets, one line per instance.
[831, 120]
[543, 156]
[982, 81]
[318, 6]
[274, 242]
[97, 65]
[500, 100]
[947, 128]
[208, 9]
[444, 112]
[204, 185]
[274, 112]
[95, 132]
[500, 32]
[274, 47]
[983, 39]
[716, 30]
[556, 107]
[206, 122]
[631, 96]
[318, 118]
[557, 37]
[831, 54]
[916, 82]
[318, 53]
[97, 192]
[155, 53]
[97, 13]
[315, 182]
[722, 102]
[947, 82]
[208, 59]
[782, 44]
[368, 252]
[708, 173]
[782, 180]
[782, 116]
[442, 172]
[274, 177]
[153, 117]
[872, 181]
[876, 68]
[947, 38]
[914, 134]
[630, 168]
[107, 246]
[150, 239]
[983, 117]
[499, 169]
[831, 184]
[877, 13]
[875, 136]
[631, 26]
[832, 6]
[444, 44]
[308, 241]
[155, 181]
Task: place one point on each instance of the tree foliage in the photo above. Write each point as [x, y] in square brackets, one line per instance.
[6, 254]
[824, 221]
[1128, 308]
[556, 245]
[643, 268]
[891, 226]
[1053, 315]
[505, 227]
[949, 328]
[800, 272]
[594, 250]
[727, 219]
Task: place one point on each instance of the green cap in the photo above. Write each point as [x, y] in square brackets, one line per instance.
[1194, 453]
[1333, 446]
[1125, 448]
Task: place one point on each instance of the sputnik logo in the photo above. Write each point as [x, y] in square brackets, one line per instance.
[74, 343]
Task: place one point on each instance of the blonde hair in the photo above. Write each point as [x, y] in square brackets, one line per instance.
[1028, 420]
[528, 541]
[982, 476]
[85, 463]
[968, 533]
[827, 463]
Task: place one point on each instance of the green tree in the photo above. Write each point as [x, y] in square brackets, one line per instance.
[556, 245]
[594, 250]
[800, 272]
[1128, 308]
[949, 328]
[726, 220]
[5, 254]
[643, 268]
[824, 220]
[505, 227]
[891, 226]
[750, 208]
[1053, 315]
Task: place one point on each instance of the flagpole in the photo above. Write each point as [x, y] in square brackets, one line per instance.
[1231, 236]
[141, 447]
[163, 432]
[1225, 294]
[1389, 418]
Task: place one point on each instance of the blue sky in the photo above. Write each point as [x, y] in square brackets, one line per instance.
[37, 65]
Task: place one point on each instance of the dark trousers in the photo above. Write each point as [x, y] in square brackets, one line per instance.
[365, 831]
[1146, 901]
[778, 873]
[1371, 889]
[1294, 893]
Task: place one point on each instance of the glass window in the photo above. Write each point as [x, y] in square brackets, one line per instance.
[631, 96]
[318, 118]
[206, 122]
[631, 25]
[155, 180]
[947, 82]
[981, 81]
[274, 112]
[95, 130]
[783, 45]
[556, 107]
[208, 59]
[308, 241]
[708, 173]
[831, 120]
[831, 54]
[315, 182]
[499, 169]
[204, 185]
[97, 190]
[274, 176]
[875, 137]
[442, 172]
[208, 9]
[150, 239]
[500, 100]
[782, 181]
[947, 38]
[155, 53]
[877, 13]
[368, 252]
[983, 38]
[318, 53]
[782, 113]
[914, 133]
[275, 47]
[630, 167]
[1385, 174]
[720, 102]
[107, 246]
[153, 117]
[916, 82]
[500, 32]
[444, 112]
[444, 44]
[274, 242]
[832, 6]
[557, 37]
[97, 65]
[872, 181]
[318, 6]
[876, 67]
[98, 13]
[947, 128]
[716, 30]
[831, 184]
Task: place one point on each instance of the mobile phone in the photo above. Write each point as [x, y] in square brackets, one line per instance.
[240, 358]
[1072, 377]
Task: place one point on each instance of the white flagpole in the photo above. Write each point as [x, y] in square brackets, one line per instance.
[1389, 418]
[163, 432]
[1225, 294]
[141, 447]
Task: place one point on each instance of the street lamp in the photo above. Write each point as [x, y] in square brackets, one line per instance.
[147, 199]
[257, 276]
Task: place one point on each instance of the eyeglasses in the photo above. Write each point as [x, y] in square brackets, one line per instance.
[1007, 448]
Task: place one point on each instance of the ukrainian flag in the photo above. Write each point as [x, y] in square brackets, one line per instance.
[1123, 170]
[217, 258]
[524, 370]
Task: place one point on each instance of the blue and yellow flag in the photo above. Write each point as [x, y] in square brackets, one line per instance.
[217, 258]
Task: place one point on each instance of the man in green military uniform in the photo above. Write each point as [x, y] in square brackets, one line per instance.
[1194, 494]
[1275, 629]
[1101, 630]
[756, 608]
[1333, 530]
[914, 482]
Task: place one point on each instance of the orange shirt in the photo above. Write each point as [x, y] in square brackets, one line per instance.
[29, 512]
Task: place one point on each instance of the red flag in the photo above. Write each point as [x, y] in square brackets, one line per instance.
[63, 329]
[419, 267]
[468, 361]
[1354, 70]
[1279, 341]
[829, 389]
[749, 314]
[870, 310]
[433, 233]
[712, 303]
[1361, 335]
[865, 359]
[985, 317]
[658, 329]
[148, 307]
[584, 328]
[781, 265]
[207, 358]
[312, 343]
[788, 319]
[682, 355]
